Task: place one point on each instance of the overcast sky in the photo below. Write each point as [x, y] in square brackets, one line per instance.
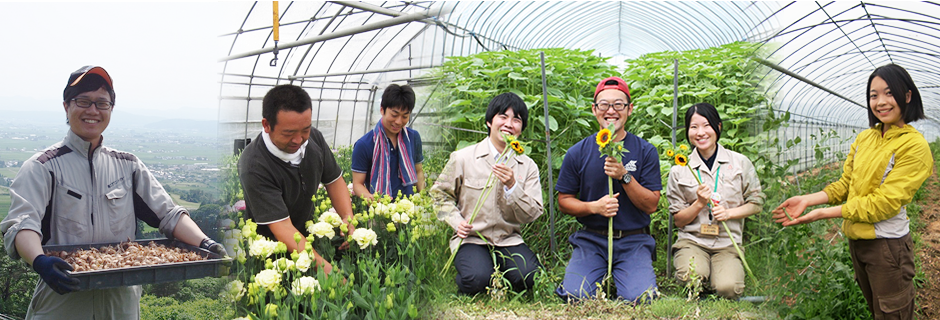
[161, 56]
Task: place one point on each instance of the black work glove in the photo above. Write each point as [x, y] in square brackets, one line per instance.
[212, 246]
[52, 272]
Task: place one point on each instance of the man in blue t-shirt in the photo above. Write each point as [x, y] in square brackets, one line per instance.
[582, 193]
[387, 160]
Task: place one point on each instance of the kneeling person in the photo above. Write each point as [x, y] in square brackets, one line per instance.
[516, 199]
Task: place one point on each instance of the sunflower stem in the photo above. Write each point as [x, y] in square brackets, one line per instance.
[476, 208]
[728, 231]
[610, 235]
[738, 249]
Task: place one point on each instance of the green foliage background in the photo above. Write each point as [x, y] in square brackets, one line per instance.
[724, 76]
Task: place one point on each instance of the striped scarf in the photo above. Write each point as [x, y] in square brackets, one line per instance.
[380, 161]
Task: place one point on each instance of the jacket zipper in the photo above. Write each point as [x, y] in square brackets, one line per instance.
[91, 170]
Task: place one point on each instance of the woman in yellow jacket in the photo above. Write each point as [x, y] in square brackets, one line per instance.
[885, 166]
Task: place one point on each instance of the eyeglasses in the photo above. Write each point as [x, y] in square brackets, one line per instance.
[603, 106]
[100, 105]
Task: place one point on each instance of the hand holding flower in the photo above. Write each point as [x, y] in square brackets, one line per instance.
[463, 230]
[504, 174]
[704, 194]
[614, 169]
[607, 206]
[720, 213]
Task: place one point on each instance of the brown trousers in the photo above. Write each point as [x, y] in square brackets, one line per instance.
[721, 266]
[884, 270]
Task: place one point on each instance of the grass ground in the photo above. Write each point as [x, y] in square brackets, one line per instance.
[186, 204]
[795, 266]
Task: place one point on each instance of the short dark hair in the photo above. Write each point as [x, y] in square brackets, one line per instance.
[899, 82]
[504, 102]
[396, 96]
[708, 111]
[90, 82]
[286, 97]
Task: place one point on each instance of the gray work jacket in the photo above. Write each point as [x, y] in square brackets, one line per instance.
[70, 197]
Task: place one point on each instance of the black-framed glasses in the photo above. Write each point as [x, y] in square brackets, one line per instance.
[603, 106]
[100, 105]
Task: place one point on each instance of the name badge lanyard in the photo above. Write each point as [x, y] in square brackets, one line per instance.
[714, 192]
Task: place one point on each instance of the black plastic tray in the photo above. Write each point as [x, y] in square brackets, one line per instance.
[214, 266]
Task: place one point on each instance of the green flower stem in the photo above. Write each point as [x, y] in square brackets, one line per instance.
[728, 231]
[740, 253]
[610, 235]
[476, 208]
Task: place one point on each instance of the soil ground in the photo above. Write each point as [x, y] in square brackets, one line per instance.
[928, 292]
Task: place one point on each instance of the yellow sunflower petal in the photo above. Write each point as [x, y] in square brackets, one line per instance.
[682, 160]
[684, 147]
[517, 147]
[603, 137]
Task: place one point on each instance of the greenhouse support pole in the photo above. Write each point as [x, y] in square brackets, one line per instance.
[345, 32]
[548, 148]
[675, 112]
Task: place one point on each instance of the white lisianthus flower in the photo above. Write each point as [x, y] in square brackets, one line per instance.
[268, 279]
[262, 248]
[380, 209]
[332, 218]
[234, 290]
[396, 217]
[284, 265]
[305, 285]
[405, 218]
[322, 229]
[303, 262]
[365, 237]
[405, 206]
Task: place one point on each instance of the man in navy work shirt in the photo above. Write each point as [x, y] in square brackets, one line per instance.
[582, 193]
[387, 159]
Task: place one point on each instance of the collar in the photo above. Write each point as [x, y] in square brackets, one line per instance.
[895, 132]
[493, 152]
[696, 161]
[80, 145]
[293, 158]
[486, 149]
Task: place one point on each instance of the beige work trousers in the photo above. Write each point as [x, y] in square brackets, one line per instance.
[721, 266]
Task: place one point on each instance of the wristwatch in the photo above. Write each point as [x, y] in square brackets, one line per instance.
[626, 178]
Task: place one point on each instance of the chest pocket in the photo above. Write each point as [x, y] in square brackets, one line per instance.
[732, 188]
[71, 213]
[120, 208]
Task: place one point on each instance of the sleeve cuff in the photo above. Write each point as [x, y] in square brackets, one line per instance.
[508, 191]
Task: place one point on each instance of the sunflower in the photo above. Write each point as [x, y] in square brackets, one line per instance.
[603, 138]
[670, 153]
[619, 148]
[682, 160]
[517, 147]
[683, 147]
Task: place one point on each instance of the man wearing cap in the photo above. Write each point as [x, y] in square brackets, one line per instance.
[583, 193]
[78, 192]
[282, 168]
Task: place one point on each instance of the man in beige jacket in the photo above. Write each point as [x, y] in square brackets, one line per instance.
[516, 199]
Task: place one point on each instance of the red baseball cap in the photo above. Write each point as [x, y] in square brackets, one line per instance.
[76, 77]
[613, 83]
